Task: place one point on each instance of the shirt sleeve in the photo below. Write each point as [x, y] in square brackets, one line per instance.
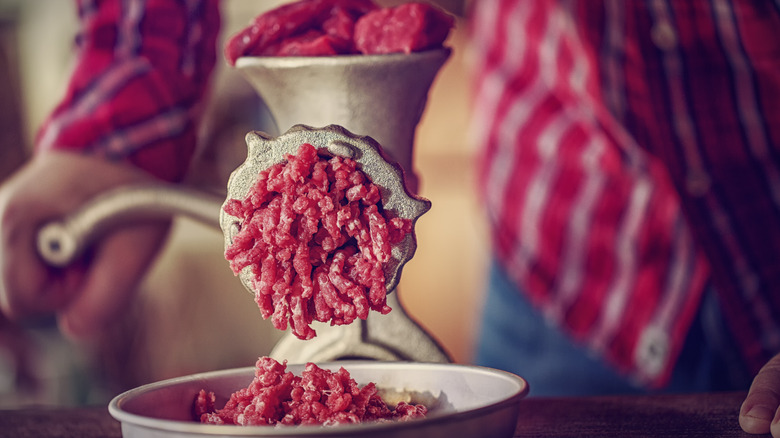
[136, 92]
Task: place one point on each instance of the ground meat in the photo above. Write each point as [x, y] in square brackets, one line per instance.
[318, 396]
[410, 27]
[340, 27]
[315, 234]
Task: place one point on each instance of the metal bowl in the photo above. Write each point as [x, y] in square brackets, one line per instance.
[464, 401]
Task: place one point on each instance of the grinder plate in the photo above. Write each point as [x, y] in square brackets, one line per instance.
[264, 151]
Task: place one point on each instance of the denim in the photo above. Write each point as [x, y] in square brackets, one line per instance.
[514, 336]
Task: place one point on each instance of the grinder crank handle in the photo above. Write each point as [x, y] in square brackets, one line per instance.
[60, 242]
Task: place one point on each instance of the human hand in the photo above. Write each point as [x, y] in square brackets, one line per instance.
[759, 413]
[94, 290]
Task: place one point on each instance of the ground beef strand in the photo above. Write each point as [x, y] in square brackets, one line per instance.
[318, 396]
[317, 239]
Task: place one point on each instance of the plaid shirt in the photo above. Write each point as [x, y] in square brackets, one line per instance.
[141, 75]
[631, 158]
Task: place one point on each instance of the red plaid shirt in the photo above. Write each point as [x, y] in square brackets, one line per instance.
[141, 75]
[631, 157]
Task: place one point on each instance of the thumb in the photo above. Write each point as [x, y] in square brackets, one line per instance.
[759, 412]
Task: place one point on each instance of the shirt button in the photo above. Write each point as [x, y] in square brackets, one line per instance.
[652, 352]
[663, 36]
[697, 183]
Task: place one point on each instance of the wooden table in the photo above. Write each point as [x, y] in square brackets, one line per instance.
[695, 415]
[690, 415]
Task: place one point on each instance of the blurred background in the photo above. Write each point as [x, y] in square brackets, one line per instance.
[192, 314]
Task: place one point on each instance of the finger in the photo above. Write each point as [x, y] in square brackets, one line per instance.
[760, 407]
[119, 264]
[775, 427]
[17, 295]
[29, 287]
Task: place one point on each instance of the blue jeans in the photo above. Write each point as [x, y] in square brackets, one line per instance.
[515, 337]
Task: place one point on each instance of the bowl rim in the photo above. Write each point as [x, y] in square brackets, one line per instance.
[115, 405]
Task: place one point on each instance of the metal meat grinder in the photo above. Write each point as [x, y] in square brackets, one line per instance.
[378, 96]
